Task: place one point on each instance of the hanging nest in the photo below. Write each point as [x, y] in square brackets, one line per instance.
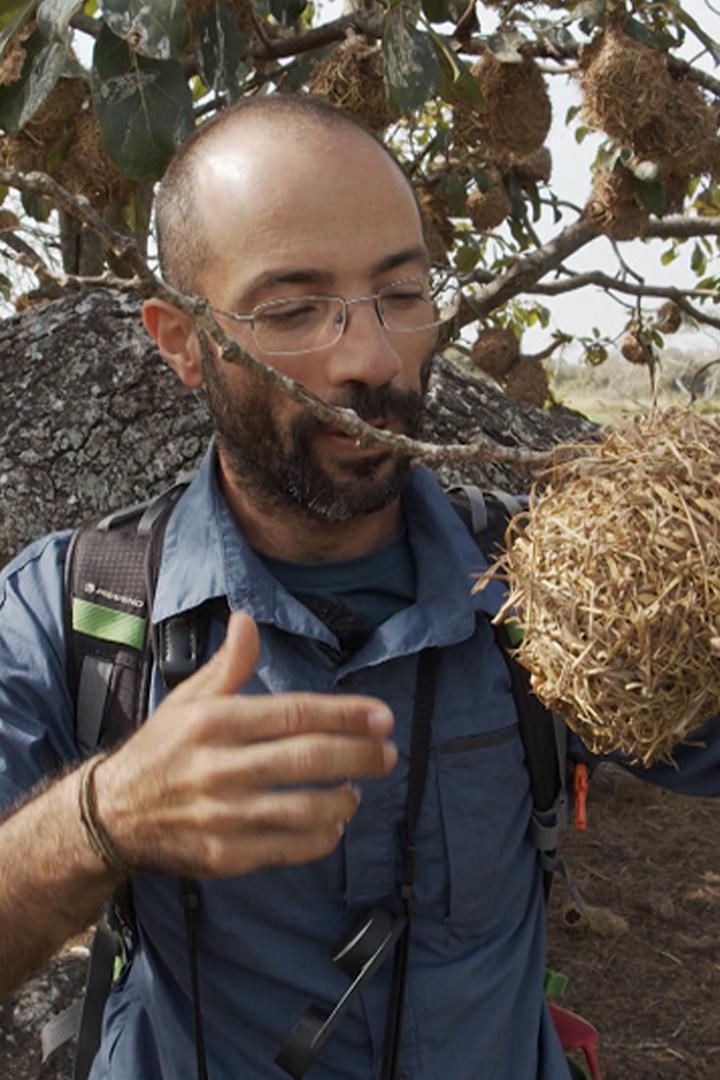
[488, 209]
[528, 382]
[629, 93]
[534, 168]
[635, 349]
[88, 170]
[516, 115]
[241, 9]
[613, 205]
[495, 351]
[675, 189]
[352, 77]
[55, 120]
[435, 209]
[668, 318]
[614, 575]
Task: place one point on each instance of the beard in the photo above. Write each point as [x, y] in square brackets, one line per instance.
[280, 469]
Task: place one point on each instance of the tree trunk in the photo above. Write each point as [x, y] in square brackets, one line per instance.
[91, 419]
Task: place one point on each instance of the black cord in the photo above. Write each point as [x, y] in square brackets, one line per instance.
[191, 905]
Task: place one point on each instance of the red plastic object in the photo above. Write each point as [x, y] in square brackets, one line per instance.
[581, 783]
[577, 1034]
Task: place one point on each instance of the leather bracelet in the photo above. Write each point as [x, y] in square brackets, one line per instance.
[99, 840]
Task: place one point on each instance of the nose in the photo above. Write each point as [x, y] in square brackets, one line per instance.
[366, 352]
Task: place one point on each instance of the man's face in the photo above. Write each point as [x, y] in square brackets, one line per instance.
[330, 214]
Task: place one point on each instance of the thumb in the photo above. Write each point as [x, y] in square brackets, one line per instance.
[231, 666]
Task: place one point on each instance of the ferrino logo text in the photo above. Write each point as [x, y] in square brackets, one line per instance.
[96, 590]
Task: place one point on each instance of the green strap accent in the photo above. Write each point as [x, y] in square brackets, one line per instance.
[108, 624]
[555, 983]
[514, 631]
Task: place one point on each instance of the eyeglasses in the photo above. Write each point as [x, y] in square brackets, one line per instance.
[300, 324]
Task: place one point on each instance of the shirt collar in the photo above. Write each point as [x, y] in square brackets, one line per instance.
[205, 556]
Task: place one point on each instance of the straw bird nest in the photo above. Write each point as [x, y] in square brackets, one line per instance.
[489, 208]
[528, 382]
[668, 318]
[516, 114]
[495, 351]
[635, 349]
[629, 93]
[614, 575]
[352, 77]
[65, 126]
[534, 168]
[13, 59]
[613, 205]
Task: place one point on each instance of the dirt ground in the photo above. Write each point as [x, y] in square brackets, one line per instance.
[643, 965]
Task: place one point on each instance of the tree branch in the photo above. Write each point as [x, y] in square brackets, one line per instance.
[321, 35]
[524, 274]
[202, 315]
[680, 227]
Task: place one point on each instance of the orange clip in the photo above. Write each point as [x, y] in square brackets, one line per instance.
[580, 788]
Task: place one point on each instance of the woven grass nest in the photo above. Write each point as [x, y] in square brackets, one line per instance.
[352, 77]
[517, 112]
[629, 93]
[614, 575]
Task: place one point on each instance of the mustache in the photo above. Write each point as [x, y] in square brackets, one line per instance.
[382, 403]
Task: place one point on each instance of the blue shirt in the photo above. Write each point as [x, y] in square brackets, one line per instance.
[474, 1005]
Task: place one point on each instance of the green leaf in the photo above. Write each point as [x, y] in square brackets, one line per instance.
[287, 12]
[412, 69]
[57, 152]
[669, 256]
[571, 113]
[12, 18]
[467, 258]
[456, 193]
[144, 107]
[457, 84]
[221, 51]
[506, 46]
[651, 194]
[698, 262]
[20, 100]
[53, 18]
[580, 133]
[35, 206]
[154, 28]
[436, 10]
[90, 7]
[637, 30]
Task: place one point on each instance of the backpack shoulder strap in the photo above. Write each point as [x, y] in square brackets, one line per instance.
[486, 515]
[110, 577]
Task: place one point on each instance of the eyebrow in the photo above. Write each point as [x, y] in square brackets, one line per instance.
[313, 276]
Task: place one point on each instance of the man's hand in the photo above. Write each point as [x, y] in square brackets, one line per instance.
[216, 783]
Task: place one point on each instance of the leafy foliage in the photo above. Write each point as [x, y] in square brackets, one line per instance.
[161, 66]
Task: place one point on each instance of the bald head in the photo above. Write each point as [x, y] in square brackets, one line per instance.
[271, 150]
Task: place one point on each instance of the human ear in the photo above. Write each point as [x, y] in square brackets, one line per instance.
[174, 334]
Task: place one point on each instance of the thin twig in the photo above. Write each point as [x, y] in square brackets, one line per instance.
[147, 284]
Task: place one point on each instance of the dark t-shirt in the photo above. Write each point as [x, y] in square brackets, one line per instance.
[353, 596]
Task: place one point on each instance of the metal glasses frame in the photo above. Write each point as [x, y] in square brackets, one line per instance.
[341, 324]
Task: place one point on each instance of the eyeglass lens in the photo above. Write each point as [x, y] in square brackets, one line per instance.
[304, 323]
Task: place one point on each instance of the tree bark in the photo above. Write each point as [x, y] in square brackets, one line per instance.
[92, 420]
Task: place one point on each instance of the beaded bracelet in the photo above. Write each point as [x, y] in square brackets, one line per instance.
[100, 842]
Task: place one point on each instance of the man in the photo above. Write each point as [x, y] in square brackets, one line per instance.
[269, 776]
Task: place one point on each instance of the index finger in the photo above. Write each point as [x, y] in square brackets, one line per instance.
[253, 718]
